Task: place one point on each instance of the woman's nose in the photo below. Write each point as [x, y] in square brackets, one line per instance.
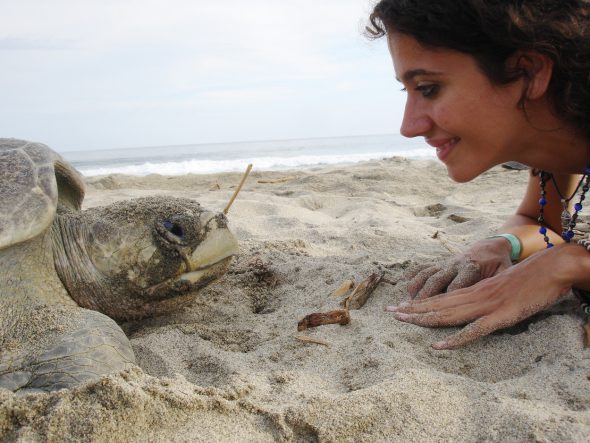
[415, 122]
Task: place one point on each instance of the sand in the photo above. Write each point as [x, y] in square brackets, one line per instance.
[229, 368]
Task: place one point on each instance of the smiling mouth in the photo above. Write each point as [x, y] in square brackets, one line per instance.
[452, 142]
[443, 150]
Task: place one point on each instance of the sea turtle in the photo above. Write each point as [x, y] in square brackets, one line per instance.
[67, 274]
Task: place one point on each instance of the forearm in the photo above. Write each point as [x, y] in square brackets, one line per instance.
[524, 224]
[573, 262]
[527, 231]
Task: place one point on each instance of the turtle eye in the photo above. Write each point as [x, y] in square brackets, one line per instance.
[174, 228]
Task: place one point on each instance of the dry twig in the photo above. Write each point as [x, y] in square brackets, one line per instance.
[276, 180]
[339, 316]
[446, 243]
[233, 197]
[308, 339]
[346, 286]
[361, 293]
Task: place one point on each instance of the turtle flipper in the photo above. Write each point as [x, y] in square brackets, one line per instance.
[35, 181]
[90, 346]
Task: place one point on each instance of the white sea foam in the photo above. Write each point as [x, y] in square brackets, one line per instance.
[196, 166]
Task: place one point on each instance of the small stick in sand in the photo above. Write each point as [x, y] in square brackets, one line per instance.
[308, 339]
[361, 293]
[244, 177]
[339, 316]
[277, 180]
[346, 286]
[446, 243]
[587, 335]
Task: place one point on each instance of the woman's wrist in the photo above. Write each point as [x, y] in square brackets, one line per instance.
[572, 264]
[515, 246]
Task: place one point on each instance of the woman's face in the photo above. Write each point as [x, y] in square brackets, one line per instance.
[472, 123]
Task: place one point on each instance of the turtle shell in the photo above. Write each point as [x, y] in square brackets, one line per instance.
[34, 181]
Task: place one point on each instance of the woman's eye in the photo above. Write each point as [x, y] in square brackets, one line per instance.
[428, 91]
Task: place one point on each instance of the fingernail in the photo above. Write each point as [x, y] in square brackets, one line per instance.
[440, 345]
[401, 316]
[391, 308]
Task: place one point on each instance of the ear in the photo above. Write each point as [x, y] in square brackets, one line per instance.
[537, 70]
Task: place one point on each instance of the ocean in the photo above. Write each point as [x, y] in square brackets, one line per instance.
[228, 157]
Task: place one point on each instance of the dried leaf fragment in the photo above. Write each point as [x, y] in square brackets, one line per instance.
[338, 316]
[361, 293]
[308, 339]
[346, 286]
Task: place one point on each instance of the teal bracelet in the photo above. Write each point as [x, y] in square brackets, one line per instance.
[515, 246]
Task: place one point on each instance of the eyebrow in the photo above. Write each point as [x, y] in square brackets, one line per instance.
[409, 75]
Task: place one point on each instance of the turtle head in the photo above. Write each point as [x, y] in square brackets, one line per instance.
[141, 257]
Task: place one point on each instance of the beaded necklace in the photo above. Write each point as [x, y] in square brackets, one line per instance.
[568, 221]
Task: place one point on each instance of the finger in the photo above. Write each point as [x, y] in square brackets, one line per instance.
[415, 269]
[469, 274]
[435, 305]
[420, 279]
[456, 297]
[447, 317]
[479, 328]
[437, 283]
[436, 302]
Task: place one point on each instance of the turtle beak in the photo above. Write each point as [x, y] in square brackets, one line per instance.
[217, 247]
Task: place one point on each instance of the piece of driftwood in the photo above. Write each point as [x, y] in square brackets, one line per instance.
[276, 180]
[361, 293]
[308, 339]
[215, 187]
[339, 316]
[346, 286]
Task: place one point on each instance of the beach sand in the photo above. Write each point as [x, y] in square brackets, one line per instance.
[229, 368]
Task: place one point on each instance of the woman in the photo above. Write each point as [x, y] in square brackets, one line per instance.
[489, 82]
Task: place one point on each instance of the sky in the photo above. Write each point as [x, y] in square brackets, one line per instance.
[90, 74]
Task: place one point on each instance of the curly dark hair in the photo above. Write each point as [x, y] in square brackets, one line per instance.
[493, 30]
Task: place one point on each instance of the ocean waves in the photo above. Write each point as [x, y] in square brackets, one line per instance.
[207, 166]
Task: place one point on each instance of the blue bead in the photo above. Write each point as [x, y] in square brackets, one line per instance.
[550, 245]
[542, 201]
[543, 230]
[578, 207]
[568, 235]
[587, 171]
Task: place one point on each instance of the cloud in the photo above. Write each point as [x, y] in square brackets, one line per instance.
[73, 60]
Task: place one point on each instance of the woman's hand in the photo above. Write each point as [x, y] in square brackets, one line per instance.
[496, 302]
[484, 259]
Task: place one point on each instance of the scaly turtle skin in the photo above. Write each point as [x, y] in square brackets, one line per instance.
[67, 274]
